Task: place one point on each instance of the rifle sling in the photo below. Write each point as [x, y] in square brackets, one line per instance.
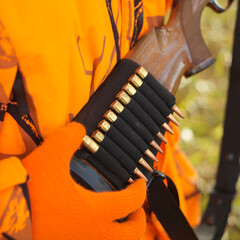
[215, 217]
[164, 203]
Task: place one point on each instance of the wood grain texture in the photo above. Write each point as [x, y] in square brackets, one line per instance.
[176, 49]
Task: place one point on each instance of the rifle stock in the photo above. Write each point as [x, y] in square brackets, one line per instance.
[176, 49]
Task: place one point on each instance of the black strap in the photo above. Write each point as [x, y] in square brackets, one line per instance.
[114, 28]
[219, 206]
[138, 21]
[19, 94]
[164, 203]
[26, 123]
[18, 108]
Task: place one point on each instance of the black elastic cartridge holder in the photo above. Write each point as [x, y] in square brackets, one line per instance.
[137, 125]
[84, 167]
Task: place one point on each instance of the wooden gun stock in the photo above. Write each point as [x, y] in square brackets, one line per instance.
[176, 49]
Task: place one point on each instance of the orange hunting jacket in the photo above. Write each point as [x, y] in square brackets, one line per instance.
[65, 50]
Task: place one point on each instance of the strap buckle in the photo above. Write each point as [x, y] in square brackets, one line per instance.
[159, 173]
[155, 174]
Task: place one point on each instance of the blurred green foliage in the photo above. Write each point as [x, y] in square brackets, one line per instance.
[202, 98]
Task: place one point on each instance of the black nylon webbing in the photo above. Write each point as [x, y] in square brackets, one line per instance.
[155, 99]
[111, 163]
[164, 203]
[130, 134]
[118, 154]
[135, 124]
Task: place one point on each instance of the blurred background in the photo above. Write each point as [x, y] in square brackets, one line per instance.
[202, 99]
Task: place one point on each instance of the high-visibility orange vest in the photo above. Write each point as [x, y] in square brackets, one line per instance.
[65, 50]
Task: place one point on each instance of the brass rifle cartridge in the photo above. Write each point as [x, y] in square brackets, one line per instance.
[130, 89]
[142, 72]
[104, 125]
[90, 144]
[98, 136]
[123, 97]
[136, 80]
[110, 116]
[117, 106]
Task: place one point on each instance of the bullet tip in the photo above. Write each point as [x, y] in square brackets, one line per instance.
[155, 145]
[130, 180]
[145, 164]
[161, 137]
[151, 155]
[177, 111]
[172, 119]
[140, 174]
[166, 126]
